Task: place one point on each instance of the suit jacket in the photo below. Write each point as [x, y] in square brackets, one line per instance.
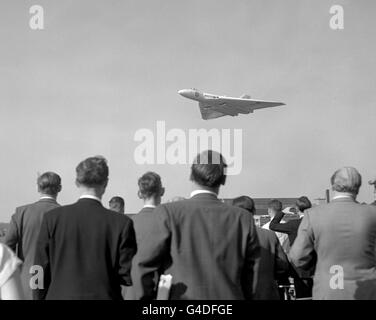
[290, 227]
[272, 265]
[141, 223]
[343, 236]
[23, 234]
[85, 251]
[208, 247]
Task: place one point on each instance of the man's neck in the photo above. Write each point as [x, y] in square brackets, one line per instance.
[339, 195]
[47, 196]
[90, 192]
[197, 187]
[151, 202]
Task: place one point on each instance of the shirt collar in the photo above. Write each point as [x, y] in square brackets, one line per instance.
[89, 196]
[196, 192]
[46, 197]
[343, 196]
[149, 206]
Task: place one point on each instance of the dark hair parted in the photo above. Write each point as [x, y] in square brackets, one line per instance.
[246, 203]
[303, 203]
[92, 171]
[49, 183]
[275, 205]
[208, 169]
[150, 184]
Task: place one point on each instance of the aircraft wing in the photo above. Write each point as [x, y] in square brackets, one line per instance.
[208, 112]
[246, 105]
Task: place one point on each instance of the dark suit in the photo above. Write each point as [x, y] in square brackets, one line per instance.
[207, 246]
[343, 236]
[23, 234]
[302, 279]
[272, 265]
[85, 251]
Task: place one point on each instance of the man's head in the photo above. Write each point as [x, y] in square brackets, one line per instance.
[246, 203]
[303, 204]
[209, 170]
[150, 187]
[92, 175]
[49, 183]
[117, 204]
[346, 180]
[274, 206]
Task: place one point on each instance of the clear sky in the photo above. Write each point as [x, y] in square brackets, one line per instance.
[101, 70]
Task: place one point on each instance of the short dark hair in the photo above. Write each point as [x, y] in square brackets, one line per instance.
[208, 169]
[246, 203]
[149, 184]
[275, 204]
[118, 200]
[303, 203]
[92, 172]
[49, 183]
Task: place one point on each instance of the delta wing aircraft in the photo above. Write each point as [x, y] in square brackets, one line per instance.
[213, 106]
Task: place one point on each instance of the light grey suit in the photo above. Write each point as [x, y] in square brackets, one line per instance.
[341, 234]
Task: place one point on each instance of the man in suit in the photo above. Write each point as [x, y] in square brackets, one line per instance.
[117, 204]
[150, 190]
[272, 265]
[208, 247]
[290, 227]
[274, 207]
[25, 224]
[84, 249]
[342, 236]
[302, 280]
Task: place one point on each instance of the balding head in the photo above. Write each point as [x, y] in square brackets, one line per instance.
[346, 180]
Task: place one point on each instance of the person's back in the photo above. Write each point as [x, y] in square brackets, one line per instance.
[207, 246]
[339, 239]
[84, 249]
[271, 266]
[83, 253]
[345, 233]
[25, 224]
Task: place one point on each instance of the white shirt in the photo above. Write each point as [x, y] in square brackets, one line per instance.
[282, 237]
[89, 196]
[343, 196]
[8, 264]
[196, 192]
[46, 197]
[149, 206]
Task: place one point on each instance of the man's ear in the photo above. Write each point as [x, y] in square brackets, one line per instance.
[162, 192]
[59, 188]
[139, 194]
[77, 183]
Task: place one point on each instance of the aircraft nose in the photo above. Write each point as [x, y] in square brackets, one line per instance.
[184, 92]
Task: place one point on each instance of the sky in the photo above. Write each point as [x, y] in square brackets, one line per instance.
[103, 69]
